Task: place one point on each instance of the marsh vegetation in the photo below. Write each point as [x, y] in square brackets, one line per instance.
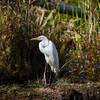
[74, 27]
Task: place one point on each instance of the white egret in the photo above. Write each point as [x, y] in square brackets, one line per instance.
[49, 50]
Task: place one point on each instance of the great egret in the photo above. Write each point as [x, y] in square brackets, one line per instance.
[49, 50]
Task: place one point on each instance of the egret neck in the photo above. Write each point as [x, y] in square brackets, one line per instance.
[43, 44]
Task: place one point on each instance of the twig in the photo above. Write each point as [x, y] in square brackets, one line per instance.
[65, 64]
[42, 16]
[48, 18]
[91, 26]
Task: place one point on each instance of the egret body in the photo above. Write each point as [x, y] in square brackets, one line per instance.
[49, 50]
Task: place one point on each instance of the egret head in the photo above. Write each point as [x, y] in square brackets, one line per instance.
[42, 37]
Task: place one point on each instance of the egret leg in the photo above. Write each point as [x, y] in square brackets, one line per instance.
[44, 75]
[50, 78]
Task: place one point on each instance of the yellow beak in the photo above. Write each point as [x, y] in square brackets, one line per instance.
[34, 39]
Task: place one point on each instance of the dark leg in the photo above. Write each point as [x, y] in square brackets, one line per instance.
[50, 78]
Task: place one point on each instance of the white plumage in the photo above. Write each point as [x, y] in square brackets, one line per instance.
[49, 50]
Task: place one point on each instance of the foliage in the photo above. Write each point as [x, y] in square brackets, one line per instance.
[77, 39]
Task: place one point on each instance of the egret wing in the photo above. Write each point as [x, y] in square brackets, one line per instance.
[52, 54]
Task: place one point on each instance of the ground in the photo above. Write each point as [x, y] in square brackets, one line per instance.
[60, 91]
